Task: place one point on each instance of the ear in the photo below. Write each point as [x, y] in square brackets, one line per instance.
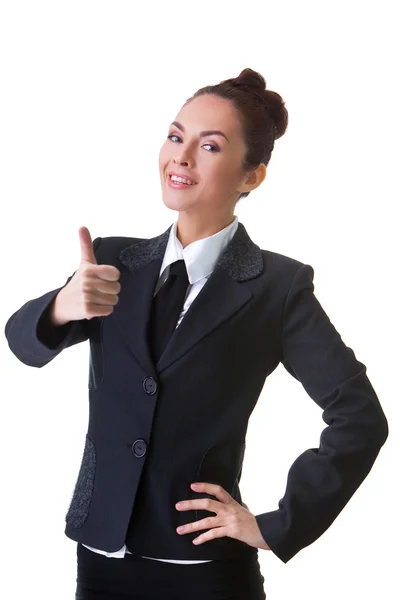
[253, 179]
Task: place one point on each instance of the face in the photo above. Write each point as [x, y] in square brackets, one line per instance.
[213, 161]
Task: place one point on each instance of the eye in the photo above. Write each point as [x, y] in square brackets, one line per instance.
[212, 146]
[216, 149]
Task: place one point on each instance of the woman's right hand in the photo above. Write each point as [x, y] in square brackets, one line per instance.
[91, 292]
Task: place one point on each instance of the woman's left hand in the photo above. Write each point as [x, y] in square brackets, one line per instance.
[232, 519]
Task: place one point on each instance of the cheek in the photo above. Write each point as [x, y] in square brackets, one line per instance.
[163, 157]
[222, 177]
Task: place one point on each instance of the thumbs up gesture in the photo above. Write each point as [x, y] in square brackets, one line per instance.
[91, 292]
[87, 254]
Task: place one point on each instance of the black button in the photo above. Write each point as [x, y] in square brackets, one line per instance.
[139, 448]
[150, 385]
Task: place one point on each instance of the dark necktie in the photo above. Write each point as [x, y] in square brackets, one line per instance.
[166, 308]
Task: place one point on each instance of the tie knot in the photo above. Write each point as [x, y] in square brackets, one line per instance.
[178, 268]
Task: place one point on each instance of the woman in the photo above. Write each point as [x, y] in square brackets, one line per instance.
[184, 328]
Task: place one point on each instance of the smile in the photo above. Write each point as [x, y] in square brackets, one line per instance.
[178, 184]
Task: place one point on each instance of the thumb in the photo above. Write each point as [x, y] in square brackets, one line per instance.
[87, 253]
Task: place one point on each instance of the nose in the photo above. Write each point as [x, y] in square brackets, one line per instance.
[183, 158]
[181, 162]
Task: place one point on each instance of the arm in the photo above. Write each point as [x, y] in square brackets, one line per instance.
[33, 337]
[322, 480]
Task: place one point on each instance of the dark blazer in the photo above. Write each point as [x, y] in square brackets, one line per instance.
[155, 428]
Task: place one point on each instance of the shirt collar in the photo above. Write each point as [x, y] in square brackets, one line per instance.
[201, 255]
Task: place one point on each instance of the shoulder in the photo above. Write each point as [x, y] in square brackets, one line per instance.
[281, 264]
[107, 249]
[286, 275]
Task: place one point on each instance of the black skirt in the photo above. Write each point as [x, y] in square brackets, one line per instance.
[135, 578]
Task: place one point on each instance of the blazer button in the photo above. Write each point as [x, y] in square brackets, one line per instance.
[150, 385]
[139, 448]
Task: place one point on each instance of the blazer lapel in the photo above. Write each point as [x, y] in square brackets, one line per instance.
[224, 293]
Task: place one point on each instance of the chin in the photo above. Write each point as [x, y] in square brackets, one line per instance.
[175, 203]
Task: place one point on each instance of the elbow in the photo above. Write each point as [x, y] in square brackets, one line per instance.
[383, 429]
[380, 429]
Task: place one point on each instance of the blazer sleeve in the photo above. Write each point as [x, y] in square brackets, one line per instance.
[321, 480]
[32, 337]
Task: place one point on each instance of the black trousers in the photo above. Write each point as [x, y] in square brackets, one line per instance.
[135, 578]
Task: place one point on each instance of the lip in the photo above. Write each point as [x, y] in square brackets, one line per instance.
[180, 175]
[178, 186]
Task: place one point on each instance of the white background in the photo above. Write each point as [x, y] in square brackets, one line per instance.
[88, 90]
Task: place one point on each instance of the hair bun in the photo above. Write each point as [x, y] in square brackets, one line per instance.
[250, 79]
[261, 112]
[254, 83]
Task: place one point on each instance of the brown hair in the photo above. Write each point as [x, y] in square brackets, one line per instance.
[262, 113]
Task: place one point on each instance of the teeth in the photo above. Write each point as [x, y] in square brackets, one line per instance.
[181, 180]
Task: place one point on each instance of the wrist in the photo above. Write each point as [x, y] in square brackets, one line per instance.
[55, 310]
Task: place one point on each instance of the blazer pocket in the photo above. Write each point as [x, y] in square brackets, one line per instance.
[78, 510]
[96, 355]
[221, 464]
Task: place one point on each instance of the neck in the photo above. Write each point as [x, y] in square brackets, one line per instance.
[190, 229]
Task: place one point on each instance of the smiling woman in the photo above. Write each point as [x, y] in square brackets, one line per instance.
[221, 140]
[184, 329]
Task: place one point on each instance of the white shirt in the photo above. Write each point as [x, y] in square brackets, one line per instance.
[200, 259]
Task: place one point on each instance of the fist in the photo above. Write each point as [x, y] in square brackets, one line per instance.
[93, 289]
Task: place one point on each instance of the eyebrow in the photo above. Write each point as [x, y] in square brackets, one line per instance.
[202, 133]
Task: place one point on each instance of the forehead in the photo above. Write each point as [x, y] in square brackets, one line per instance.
[210, 112]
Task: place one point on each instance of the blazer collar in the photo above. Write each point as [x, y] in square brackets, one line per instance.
[222, 296]
[241, 259]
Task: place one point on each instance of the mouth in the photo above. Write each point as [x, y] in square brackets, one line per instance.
[178, 184]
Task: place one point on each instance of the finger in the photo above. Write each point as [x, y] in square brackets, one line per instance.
[101, 299]
[206, 523]
[103, 282]
[87, 252]
[211, 534]
[213, 489]
[200, 503]
[106, 272]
